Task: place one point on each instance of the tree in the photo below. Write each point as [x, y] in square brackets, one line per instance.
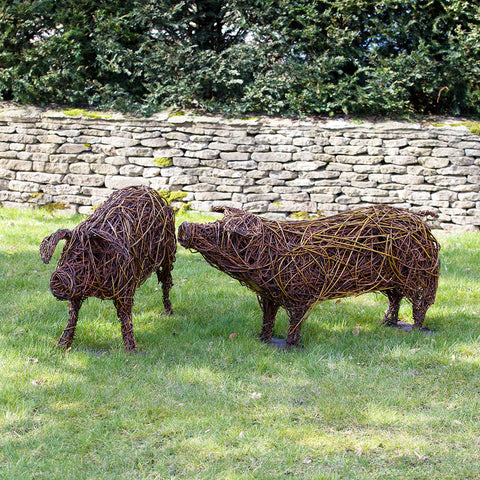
[274, 56]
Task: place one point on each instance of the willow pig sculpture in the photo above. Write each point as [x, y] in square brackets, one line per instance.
[113, 252]
[295, 264]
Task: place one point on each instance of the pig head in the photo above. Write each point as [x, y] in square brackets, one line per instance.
[295, 264]
[79, 272]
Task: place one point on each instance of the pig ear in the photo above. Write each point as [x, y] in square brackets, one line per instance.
[107, 241]
[245, 224]
[227, 211]
[47, 247]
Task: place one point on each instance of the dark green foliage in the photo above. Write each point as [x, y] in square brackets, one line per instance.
[274, 56]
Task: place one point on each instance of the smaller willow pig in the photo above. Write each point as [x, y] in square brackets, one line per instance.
[113, 252]
[295, 264]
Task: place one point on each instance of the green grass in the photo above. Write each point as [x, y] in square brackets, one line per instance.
[197, 404]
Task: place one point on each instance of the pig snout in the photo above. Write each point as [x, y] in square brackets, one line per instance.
[185, 234]
[63, 285]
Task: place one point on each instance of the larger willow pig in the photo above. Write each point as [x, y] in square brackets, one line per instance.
[110, 254]
[295, 264]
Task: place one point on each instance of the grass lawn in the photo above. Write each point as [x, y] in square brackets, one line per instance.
[359, 401]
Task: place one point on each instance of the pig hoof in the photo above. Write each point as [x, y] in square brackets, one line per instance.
[63, 344]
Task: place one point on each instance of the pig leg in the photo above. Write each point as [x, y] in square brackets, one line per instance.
[270, 310]
[166, 278]
[296, 319]
[419, 310]
[68, 333]
[124, 312]
[394, 299]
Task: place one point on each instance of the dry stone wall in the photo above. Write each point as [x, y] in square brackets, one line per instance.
[274, 167]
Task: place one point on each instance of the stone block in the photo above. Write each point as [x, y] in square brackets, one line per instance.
[201, 206]
[200, 187]
[235, 156]
[121, 142]
[85, 180]
[61, 168]
[210, 196]
[449, 181]
[185, 162]
[447, 152]
[203, 154]
[262, 197]
[215, 163]
[348, 150]
[136, 152]
[347, 200]
[255, 207]
[380, 177]
[61, 158]
[323, 198]
[183, 180]
[21, 186]
[269, 181]
[171, 171]
[301, 166]
[143, 161]
[158, 183]
[189, 146]
[400, 159]
[322, 175]
[7, 174]
[223, 147]
[273, 157]
[116, 160]
[115, 182]
[151, 172]
[284, 175]
[229, 188]
[408, 179]
[91, 157]
[81, 168]
[272, 139]
[469, 196]
[73, 199]
[69, 148]
[470, 152]
[303, 141]
[104, 169]
[131, 170]
[284, 148]
[268, 166]
[300, 182]
[16, 165]
[339, 167]
[63, 189]
[395, 143]
[158, 142]
[459, 170]
[291, 207]
[416, 196]
[38, 177]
